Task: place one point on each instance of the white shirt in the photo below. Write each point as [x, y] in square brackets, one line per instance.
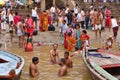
[78, 17]
[75, 10]
[10, 17]
[66, 19]
[34, 13]
[37, 1]
[114, 23]
[91, 13]
[52, 9]
[67, 9]
[82, 15]
[65, 27]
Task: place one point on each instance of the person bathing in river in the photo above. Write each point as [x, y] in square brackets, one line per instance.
[68, 61]
[63, 68]
[77, 53]
[29, 44]
[54, 56]
[33, 70]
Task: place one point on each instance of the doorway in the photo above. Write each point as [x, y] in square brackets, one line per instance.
[49, 3]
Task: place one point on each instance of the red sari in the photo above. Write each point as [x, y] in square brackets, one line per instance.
[84, 37]
[108, 18]
[30, 27]
[108, 21]
[29, 45]
[65, 42]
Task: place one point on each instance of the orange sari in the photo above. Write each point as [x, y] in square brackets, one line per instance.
[45, 22]
[71, 42]
[41, 19]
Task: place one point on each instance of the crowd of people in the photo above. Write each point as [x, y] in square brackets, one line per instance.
[72, 24]
[90, 1]
[23, 28]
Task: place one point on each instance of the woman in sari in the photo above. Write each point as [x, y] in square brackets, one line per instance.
[29, 44]
[41, 20]
[71, 42]
[45, 22]
[108, 18]
[30, 25]
[84, 40]
[77, 34]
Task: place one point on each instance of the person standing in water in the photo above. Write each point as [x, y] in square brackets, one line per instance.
[63, 69]
[29, 44]
[54, 54]
[20, 33]
[77, 53]
[33, 70]
[68, 61]
[11, 31]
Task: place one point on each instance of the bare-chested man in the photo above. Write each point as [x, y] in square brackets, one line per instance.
[63, 69]
[54, 56]
[68, 61]
[33, 67]
[98, 24]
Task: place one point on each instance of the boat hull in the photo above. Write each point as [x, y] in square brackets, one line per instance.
[92, 72]
[15, 78]
[97, 72]
[10, 66]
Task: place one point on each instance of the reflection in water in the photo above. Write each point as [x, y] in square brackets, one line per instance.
[46, 69]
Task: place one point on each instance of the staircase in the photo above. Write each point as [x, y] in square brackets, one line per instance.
[115, 8]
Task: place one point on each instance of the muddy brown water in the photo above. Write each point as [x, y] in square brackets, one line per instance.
[46, 69]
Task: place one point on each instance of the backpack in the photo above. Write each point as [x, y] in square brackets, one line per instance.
[51, 28]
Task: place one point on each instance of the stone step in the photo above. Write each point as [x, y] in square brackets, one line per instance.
[114, 7]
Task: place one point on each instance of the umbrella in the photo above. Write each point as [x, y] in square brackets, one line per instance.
[2, 3]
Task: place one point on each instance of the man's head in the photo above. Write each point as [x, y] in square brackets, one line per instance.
[84, 32]
[55, 46]
[23, 21]
[62, 62]
[35, 60]
[69, 34]
[69, 25]
[66, 55]
[28, 16]
[16, 13]
[64, 21]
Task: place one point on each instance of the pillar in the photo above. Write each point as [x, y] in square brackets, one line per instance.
[53, 2]
[43, 4]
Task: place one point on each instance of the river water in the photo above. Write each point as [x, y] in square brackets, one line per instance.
[46, 69]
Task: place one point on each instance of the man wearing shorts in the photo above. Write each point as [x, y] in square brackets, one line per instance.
[98, 25]
[34, 16]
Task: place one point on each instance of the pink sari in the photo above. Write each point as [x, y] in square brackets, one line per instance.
[30, 27]
[17, 19]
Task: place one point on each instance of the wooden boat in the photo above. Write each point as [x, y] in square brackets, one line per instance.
[10, 66]
[101, 64]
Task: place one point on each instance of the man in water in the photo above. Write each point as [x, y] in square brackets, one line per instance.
[54, 54]
[33, 70]
[68, 61]
[63, 69]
